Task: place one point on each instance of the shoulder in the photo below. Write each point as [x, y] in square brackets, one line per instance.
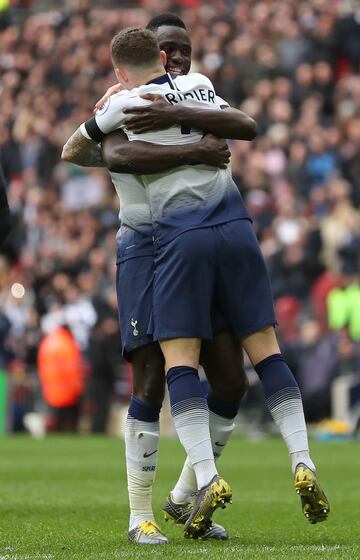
[153, 88]
[194, 79]
[114, 103]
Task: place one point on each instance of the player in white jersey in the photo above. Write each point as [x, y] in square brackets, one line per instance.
[176, 190]
[211, 204]
[222, 259]
[200, 196]
[221, 359]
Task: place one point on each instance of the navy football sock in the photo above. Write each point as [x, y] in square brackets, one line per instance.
[191, 418]
[140, 410]
[221, 424]
[284, 401]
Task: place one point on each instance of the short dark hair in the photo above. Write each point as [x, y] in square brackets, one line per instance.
[165, 19]
[135, 46]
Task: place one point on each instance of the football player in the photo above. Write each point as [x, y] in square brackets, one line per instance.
[221, 358]
[190, 224]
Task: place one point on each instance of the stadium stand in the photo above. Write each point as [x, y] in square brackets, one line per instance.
[298, 77]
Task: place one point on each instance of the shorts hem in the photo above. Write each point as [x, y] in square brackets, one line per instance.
[182, 334]
[127, 349]
[251, 330]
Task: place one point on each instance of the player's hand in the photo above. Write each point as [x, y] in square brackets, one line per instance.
[158, 115]
[213, 151]
[111, 91]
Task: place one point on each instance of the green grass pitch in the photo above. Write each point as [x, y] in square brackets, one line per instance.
[65, 497]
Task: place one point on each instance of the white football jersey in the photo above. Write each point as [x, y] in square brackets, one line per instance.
[184, 197]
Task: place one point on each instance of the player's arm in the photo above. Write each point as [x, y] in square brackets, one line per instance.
[83, 147]
[144, 158]
[159, 115]
[122, 156]
[82, 151]
[134, 157]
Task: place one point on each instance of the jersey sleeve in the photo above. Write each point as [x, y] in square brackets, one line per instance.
[108, 118]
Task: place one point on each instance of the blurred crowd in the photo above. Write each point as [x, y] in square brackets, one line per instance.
[294, 67]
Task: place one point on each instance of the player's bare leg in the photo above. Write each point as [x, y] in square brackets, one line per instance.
[284, 401]
[184, 351]
[261, 344]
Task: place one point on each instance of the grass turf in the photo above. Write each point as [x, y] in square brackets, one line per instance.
[65, 497]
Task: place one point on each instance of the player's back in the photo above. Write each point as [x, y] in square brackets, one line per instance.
[134, 204]
[185, 197]
[135, 236]
[188, 197]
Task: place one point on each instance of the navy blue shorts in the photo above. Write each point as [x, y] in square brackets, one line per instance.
[219, 267]
[134, 287]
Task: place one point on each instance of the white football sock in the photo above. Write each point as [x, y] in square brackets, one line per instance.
[191, 420]
[141, 446]
[287, 411]
[186, 484]
[283, 398]
[221, 429]
[301, 457]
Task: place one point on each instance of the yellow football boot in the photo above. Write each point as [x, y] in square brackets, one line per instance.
[216, 494]
[314, 503]
[179, 513]
[147, 532]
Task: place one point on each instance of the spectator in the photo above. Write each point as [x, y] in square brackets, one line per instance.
[61, 374]
[316, 355]
[5, 215]
[106, 362]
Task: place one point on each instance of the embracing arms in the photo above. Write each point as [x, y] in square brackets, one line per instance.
[230, 123]
[159, 115]
[82, 151]
[143, 157]
[118, 154]
[138, 157]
